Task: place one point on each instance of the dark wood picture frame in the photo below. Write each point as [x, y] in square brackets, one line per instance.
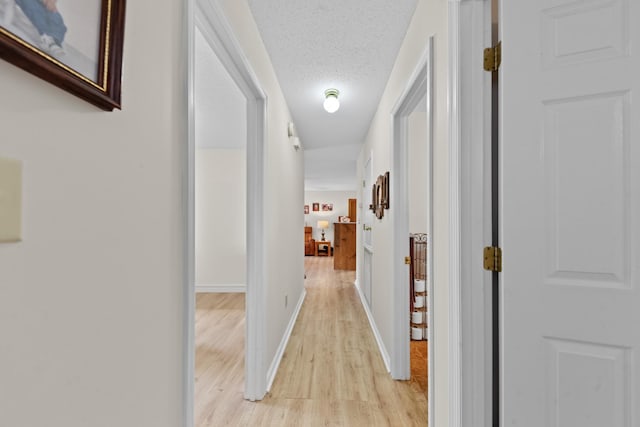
[380, 196]
[104, 92]
[386, 199]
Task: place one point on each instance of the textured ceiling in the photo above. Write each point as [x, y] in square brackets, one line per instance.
[350, 45]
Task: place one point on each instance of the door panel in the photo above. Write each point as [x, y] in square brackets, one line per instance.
[570, 213]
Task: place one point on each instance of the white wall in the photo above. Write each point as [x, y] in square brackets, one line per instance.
[429, 19]
[220, 215]
[284, 191]
[91, 301]
[340, 200]
[418, 172]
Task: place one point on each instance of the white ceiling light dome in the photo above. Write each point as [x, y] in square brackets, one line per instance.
[331, 103]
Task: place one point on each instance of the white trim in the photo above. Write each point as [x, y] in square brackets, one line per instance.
[469, 99]
[275, 363]
[455, 265]
[376, 333]
[210, 19]
[419, 85]
[431, 232]
[189, 346]
[220, 289]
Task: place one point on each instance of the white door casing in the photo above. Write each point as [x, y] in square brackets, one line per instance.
[469, 117]
[570, 213]
[419, 88]
[418, 85]
[218, 33]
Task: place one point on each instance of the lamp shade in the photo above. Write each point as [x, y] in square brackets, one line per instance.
[323, 224]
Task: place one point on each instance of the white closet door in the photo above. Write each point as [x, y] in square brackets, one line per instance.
[570, 213]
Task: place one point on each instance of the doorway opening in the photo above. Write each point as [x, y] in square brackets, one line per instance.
[207, 19]
[220, 231]
[413, 206]
[420, 209]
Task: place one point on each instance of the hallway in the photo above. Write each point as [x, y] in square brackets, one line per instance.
[331, 372]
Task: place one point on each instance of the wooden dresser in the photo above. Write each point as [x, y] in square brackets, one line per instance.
[344, 242]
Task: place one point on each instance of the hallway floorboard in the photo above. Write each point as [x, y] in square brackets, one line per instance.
[331, 372]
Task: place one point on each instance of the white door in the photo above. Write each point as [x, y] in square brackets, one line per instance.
[570, 213]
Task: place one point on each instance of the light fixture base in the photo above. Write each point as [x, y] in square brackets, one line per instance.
[331, 92]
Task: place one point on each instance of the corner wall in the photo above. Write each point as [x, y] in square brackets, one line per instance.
[91, 301]
[430, 18]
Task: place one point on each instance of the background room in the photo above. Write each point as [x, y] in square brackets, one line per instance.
[337, 201]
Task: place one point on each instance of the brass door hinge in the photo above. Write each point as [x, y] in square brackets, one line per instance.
[493, 258]
[493, 57]
[407, 260]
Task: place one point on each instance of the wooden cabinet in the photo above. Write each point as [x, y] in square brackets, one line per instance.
[344, 246]
[352, 210]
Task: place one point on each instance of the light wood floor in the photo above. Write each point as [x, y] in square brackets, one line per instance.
[331, 373]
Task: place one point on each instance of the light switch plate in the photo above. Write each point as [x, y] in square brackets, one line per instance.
[10, 200]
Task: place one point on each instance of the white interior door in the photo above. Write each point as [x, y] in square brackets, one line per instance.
[570, 213]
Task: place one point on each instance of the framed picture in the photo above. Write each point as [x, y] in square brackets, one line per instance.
[380, 196]
[306, 209]
[327, 207]
[75, 45]
[316, 207]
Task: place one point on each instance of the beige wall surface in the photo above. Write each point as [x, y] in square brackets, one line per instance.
[91, 301]
[221, 216]
[430, 19]
[418, 155]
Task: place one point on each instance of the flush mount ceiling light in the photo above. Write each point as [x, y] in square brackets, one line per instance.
[331, 103]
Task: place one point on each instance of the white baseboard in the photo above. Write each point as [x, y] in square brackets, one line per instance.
[383, 351]
[217, 289]
[275, 364]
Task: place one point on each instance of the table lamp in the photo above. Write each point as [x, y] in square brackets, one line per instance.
[323, 225]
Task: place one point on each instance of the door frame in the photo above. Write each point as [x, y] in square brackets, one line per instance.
[210, 19]
[419, 86]
[364, 246]
[469, 93]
